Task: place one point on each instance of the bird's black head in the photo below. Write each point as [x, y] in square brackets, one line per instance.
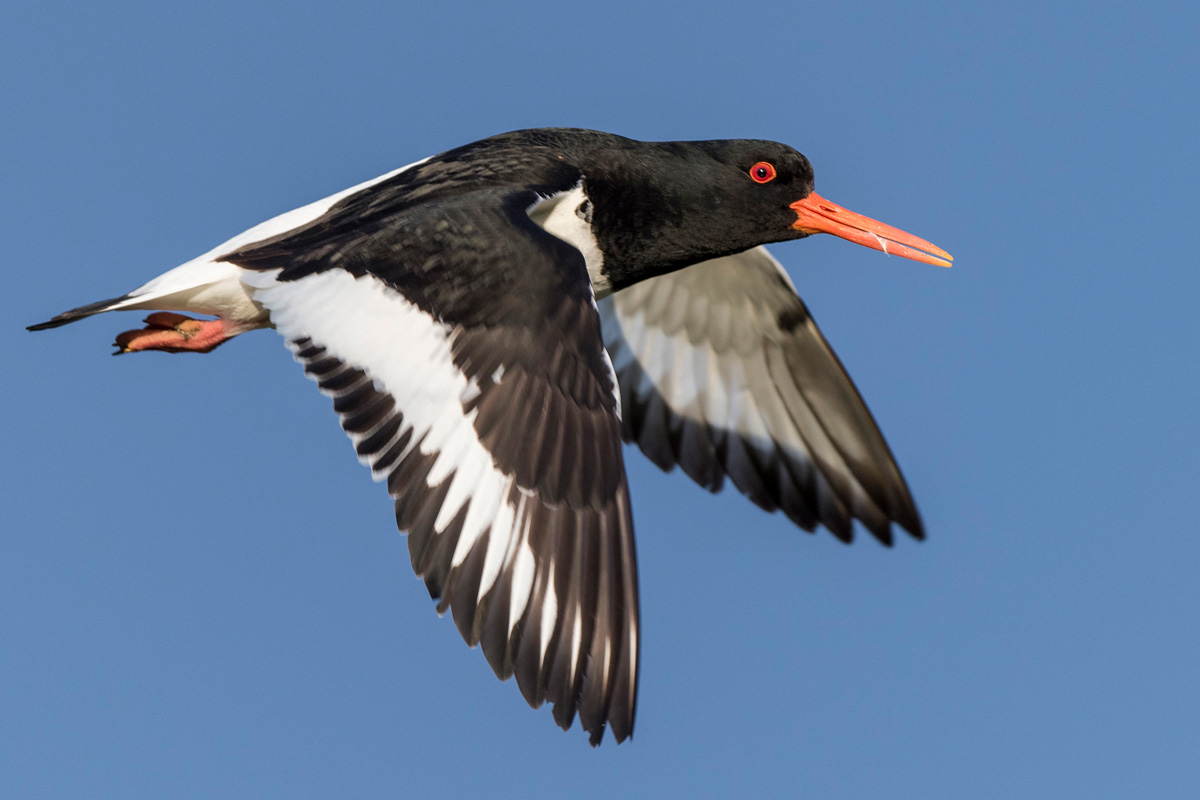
[662, 206]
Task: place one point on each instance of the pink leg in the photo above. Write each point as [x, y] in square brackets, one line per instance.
[175, 333]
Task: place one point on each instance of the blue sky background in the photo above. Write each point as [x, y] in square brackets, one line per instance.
[203, 595]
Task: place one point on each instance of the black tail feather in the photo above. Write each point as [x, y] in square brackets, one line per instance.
[78, 313]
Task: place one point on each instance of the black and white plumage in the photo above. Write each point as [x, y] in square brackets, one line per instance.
[449, 309]
[724, 373]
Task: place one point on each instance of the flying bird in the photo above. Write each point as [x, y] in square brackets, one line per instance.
[491, 322]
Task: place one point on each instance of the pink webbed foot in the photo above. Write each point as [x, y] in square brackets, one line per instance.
[176, 333]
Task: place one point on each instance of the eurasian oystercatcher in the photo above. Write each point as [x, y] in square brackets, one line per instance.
[492, 321]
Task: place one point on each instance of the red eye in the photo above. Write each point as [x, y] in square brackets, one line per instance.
[762, 172]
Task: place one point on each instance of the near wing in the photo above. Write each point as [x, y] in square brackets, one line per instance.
[462, 349]
[724, 373]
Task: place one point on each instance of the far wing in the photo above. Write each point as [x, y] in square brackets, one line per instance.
[723, 372]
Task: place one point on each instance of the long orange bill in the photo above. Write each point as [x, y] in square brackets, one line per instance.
[815, 214]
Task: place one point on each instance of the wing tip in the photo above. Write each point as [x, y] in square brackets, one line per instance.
[914, 528]
[911, 524]
[908, 518]
[620, 727]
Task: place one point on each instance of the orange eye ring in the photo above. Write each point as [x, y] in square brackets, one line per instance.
[763, 172]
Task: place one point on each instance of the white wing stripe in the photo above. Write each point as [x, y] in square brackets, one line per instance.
[549, 615]
[484, 505]
[455, 459]
[350, 316]
[500, 548]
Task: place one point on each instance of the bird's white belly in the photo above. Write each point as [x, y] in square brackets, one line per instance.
[214, 288]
